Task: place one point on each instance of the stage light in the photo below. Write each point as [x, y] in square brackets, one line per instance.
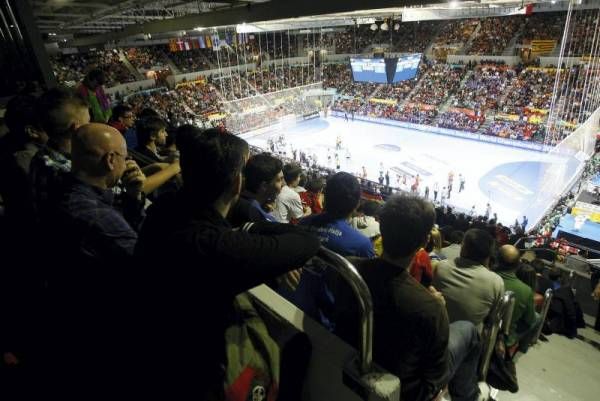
[374, 27]
[384, 26]
[453, 4]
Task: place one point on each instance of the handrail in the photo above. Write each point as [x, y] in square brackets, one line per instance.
[365, 303]
[501, 317]
[543, 313]
[509, 300]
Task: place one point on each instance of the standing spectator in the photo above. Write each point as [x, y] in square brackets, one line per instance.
[524, 223]
[91, 247]
[461, 180]
[151, 136]
[288, 205]
[215, 264]
[387, 178]
[436, 188]
[91, 90]
[488, 211]
[61, 114]
[93, 228]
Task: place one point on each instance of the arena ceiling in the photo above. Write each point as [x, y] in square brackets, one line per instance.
[87, 23]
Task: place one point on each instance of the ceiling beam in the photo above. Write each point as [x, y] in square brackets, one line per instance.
[275, 9]
[70, 4]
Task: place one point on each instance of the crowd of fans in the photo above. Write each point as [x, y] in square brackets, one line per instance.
[147, 57]
[71, 68]
[494, 35]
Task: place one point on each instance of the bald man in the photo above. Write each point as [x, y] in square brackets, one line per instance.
[92, 240]
[98, 230]
[525, 321]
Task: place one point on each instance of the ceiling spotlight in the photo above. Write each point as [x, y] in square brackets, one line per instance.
[374, 27]
[396, 26]
[384, 26]
[453, 4]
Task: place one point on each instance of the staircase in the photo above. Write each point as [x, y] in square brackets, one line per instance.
[510, 48]
[412, 92]
[446, 105]
[172, 65]
[138, 75]
[473, 36]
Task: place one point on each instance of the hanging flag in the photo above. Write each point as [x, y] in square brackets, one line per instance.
[208, 42]
[194, 44]
[179, 44]
[216, 41]
[186, 45]
[172, 45]
[201, 42]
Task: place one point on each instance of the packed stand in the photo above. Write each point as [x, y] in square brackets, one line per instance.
[147, 57]
[494, 35]
[542, 26]
[71, 68]
[456, 31]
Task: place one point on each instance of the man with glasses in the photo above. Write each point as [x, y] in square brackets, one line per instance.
[93, 228]
[123, 119]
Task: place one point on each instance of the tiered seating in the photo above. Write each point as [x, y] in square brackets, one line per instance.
[148, 57]
[494, 35]
[543, 26]
[456, 31]
[73, 67]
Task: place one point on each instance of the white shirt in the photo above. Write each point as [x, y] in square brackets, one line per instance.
[288, 205]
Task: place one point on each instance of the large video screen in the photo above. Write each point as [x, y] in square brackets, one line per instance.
[369, 70]
[407, 67]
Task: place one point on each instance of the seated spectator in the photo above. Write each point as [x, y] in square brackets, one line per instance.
[263, 182]
[471, 290]
[313, 196]
[366, 219]
[342, 195]
[452, 251]
[288, 205]
[525, 321]
[413, 339]
[215, 264]
[123, 119]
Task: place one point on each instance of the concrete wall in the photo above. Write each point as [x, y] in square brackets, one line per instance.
[509, 60]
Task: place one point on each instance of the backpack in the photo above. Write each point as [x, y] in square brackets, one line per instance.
[252, 371]
[564, 315]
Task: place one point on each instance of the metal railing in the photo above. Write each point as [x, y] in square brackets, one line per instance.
[543, 313]
[360, 289]
[500, 320]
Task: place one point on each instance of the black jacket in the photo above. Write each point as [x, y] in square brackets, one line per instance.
[410, 329]
[194, 265]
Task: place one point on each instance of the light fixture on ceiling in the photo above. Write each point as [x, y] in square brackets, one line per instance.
[374, 27]
[396, 26]
[453, 4]
[384, 26]
[199, 28]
